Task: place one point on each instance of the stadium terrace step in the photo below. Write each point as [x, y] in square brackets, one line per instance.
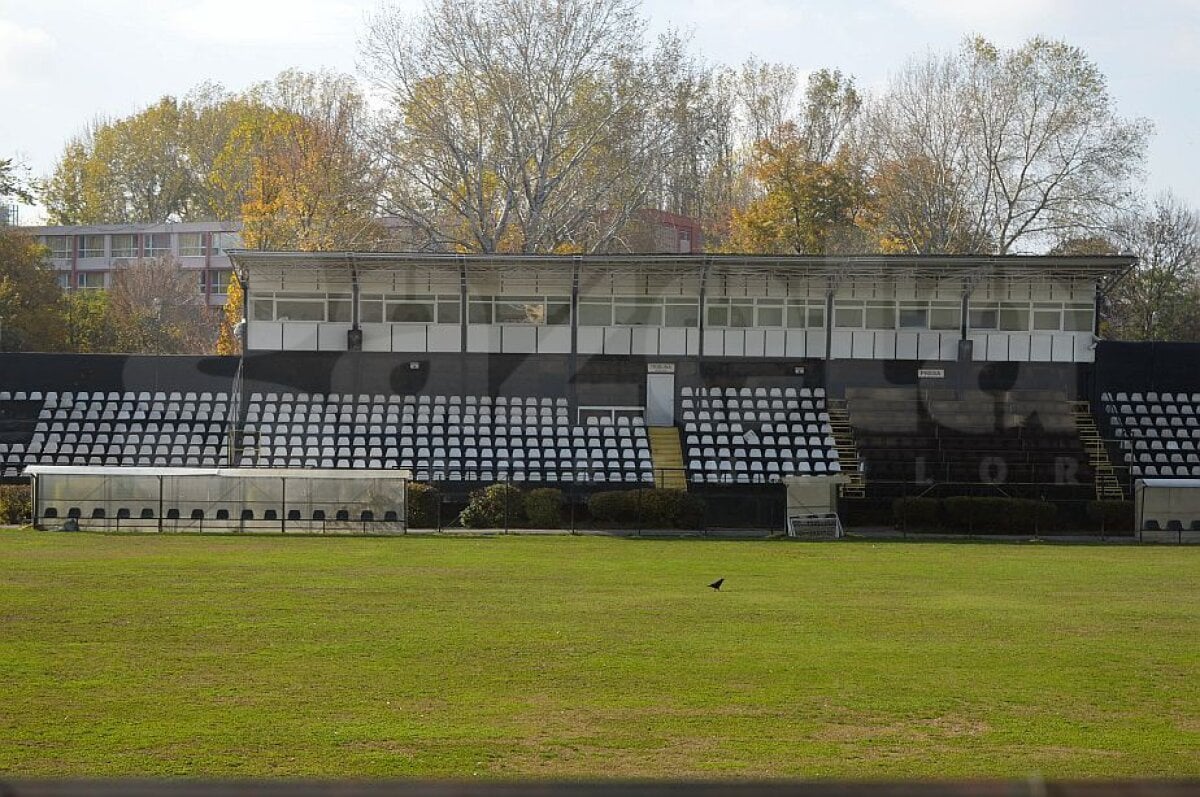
[667, 455]
[847, 451]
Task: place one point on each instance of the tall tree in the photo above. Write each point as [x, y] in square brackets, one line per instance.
[156, 308]
[519, 125]
[30, 298]
[14, 183]
[231, 316]
[296, 167]
[1160, 298]
[1008, 149]
[807, 206]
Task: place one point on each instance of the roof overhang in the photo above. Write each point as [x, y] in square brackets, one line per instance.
[1040, 268]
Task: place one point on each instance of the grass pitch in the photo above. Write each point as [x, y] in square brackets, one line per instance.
[585, 657]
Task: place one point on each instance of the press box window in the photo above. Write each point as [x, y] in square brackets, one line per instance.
[683, 315]
[983, 317]
[595, 314]
[1047, 319]
[340, 308]
[409, 310]
[1078, 318]
[945, 316]
[1014, 317]
[914, 316]
[848, 317]
[299, 310]
[770, 313]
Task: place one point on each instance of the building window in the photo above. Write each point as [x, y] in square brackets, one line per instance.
[1014, 317]
[90, 280]
[682, 314]
[479, 310]
[914, 315]
[220, 281]
[881, 315]
[409, 310]
[158, 244]
[945, 315]
[983, 316]
[224, 241]
[637, 311]
[805, 314]
[262, 309]
[595, 313]
[1047, 317]
[91, 246]
[1078, 318]
[848, 316]
[191, 244]
[300, 308]
[124, 245]
[340, 307]
[60, 246]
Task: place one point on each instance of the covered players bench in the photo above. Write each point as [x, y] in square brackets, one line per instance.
[219, 499]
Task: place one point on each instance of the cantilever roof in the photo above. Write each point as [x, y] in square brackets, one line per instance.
[868, 266]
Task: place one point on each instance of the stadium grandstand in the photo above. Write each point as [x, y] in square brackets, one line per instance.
[721, 375]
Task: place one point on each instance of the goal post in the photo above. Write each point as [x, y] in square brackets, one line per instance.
[812, 506]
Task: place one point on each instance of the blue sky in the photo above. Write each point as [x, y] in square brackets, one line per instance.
[63, 62]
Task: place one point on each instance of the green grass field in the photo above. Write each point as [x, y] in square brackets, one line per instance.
[588, 657]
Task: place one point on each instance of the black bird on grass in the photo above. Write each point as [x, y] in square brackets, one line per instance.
[717, 584]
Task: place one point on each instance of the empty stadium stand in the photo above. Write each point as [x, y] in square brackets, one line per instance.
[18, 420]
[445, 438]
[755, 435]
[907, 436]
[162, 429]
[1157, 434]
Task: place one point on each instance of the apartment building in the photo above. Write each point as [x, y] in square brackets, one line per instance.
[86, 256]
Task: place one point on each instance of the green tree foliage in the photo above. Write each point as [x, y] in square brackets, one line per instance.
[1160, 298]
[520, 125]
[30, 297]
[13, 183]
[288, 157]
[992, 150]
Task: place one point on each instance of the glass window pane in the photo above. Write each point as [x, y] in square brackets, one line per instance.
[91, 246]
[1047, 319]
[1077, 320]
[558, 313]
[124, 246]
[718, 315]
[795, 316]
[741, 315]
[914, 318]
[683, 315]
[449, 312]
[370, 312]
[508, 312]
[945, 317]
[158, 244]
[881, 317]
[339, 310]
[1014, 318]
[191, 244]
[982, 317]
[479, 312]
[594, 314]
[848, 317]
[770, 316]
[816, 316]
[262, 310]
[410, 312]
[288, 310]
[637, 315]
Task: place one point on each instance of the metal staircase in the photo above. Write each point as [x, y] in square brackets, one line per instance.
[667, 454]
[847, 449]
[1108, 486]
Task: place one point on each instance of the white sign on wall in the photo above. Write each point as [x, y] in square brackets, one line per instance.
[660, 368]
[931, 373]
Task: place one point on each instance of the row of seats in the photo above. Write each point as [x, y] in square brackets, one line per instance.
[445, 437]
[754, 435]
[1151, 397]
[1157, 434]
